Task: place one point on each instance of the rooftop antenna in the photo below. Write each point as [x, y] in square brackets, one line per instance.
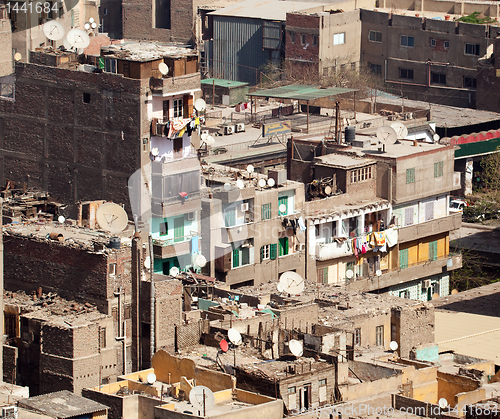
[227, 186]
[202, 399]
[393, 345]
[61, 219]
[111, 217]
[200, 261]
[292, 282]
[443, 403]
[296, 347]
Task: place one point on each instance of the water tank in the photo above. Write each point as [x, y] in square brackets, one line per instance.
[350, 134]
[114, 243]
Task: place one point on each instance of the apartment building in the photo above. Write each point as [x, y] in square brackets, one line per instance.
[252, 233]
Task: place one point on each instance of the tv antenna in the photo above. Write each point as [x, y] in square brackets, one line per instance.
[202, 399]
[61, 219]
[349, 274]
[292, 282]
[296, 347]
[401, 130]
[200, 261]
[111, 217]
[227, 186]
[147, 262]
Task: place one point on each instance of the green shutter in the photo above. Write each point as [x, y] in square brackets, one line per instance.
[178, 229]
[433, 250]
[283, 200]
[273, 251]
[261, 254]
[325, 275]
[410, 175]
[236, 258]
[266, 211]
[230, 218]
[283, 246]
[403, 259]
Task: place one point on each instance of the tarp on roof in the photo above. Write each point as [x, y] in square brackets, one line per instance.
[301, 92]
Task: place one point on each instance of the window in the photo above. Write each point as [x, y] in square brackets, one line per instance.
[376, 68]
[357, 336]
[471, 49]
[379, 330]
[236, 258]
[315, 40]
[438, 78]
[112, 269]
[438, 169]
[410, 175]
[322, 274]
[429, 211]
[447, 44]
[433, 247]
[408, 216]
[470, 82]
[407, 41]
[229, 217]
[433, 42]
[403, 258]
[283, 246]
[102, 337]
[273, 251]
[163, 228]
[178, 108]
[339, 38]
[292, 390]
[105, 12]
[374, 36]
[405, 73]
[322, 382]
[127, 312]
[404, 294]
[349, 267]
[265, 252]
[266, 211]
[282, 200]
[86, 97]
[360, 175]
[292, 37]
[435, 288]
[303, 39]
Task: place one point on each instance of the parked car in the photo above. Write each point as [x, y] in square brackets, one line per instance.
[457, 205]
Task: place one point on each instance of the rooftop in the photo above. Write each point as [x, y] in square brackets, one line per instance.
[266, 9]
[62, 404]
[145, 51]
[223, 83]
[300, 91]
[344, 161]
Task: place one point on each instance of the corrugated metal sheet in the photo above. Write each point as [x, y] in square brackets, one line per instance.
[272, 34]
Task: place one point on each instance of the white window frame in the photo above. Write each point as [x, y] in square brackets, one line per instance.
[339, 38]
[266, 252]
[178, 108]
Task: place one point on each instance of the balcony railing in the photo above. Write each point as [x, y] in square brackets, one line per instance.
[174, 241]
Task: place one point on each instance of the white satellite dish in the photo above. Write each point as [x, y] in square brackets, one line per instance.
[163, 68]
[91, 20]
[401, 130]
[386, 135]
[174, 271]
[282, 208]
[151, 378]
[227, 186]
[271, 182]
[155, 151]
[53, 30]
[210, 140]
[234, 336]
[349, 274]
[111, 217]
[250, 168]
[147, 262]
[200, 261]
[202, 398]
[292, 282]
[378, 272]
[240, 184]
[17, 56]
[443, 403]
[393, 345]
[78, 38]
[204, 136]
[262, 183]
[296, 347]
[435, 137]
[93, 24]
[61, 219]
[281, 287]
[87, 25]
[200, 105]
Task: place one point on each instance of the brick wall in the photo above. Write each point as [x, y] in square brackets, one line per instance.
[10, 359]
[190, 334]
[301, 317]
[115, 403]
[416, 327]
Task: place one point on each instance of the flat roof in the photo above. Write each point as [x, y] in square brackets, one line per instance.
[145, 51]
[343, 161]
[62, 404]
[266, 9]
[224, 83]
[300, 91]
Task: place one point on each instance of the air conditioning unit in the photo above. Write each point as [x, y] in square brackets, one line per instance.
[240, 127]
[299, 247]
[9, 412]
[190, 216]
[229, 129]
[244, 207]
[427, 283]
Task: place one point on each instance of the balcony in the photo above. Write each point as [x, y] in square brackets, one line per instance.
[238, 233]
[164, 249]
[326, 251]
[397, 276]
[430, 228]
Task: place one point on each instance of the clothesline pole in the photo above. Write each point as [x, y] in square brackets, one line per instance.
[213, 94]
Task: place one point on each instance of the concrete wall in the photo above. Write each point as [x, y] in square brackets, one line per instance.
[449, 385]
[372, 388]
[6, 45]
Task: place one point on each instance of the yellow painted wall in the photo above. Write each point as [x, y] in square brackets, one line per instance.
[449, 385]
[487, 366]
[252, 398]
[224, 396]
[426, 392]
[441, 248]
[133, 385]
[423, 252]
[137, 376]
[372, 388]
[185, 385]
[424, 382]
[102, 414]
[470, 397]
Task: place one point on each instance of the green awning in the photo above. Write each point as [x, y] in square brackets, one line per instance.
[301, 92]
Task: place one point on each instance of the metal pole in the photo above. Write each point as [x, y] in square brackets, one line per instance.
[152, 300]
[308, 117]
[354, 105]
[213, 94]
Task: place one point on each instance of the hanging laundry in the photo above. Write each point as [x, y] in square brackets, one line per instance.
[391, 237]
[355, 247]
[379, 237]
[237, 107]
[243, 106]
[302, 226]
[154, 121]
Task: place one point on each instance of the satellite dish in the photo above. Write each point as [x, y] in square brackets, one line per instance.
[240, 184]
[61, 219]
[393, 345]
[386, 135]
[378, 272]
[200, 261]
[151, 378]
[349, 274]
[401, 130]
[17, 56]
[201, 398]
[262, 183]
[227, 186]
[155, 151]
[443, 403]
[111, 217]
[234, 336]
[281, 287]
[93, 24]
[147, 262]
[174, 271]
[435, 137]
[53, 30]
[91, 20]
[204, 136]
[250, 168]
[271, 182]
[296, 347]
[163, 68]
[292, 282]
[78, 38]
[210, 140]
[200, 105]
[87, 25]
[224, 346]
[282, 208]
[328, 190]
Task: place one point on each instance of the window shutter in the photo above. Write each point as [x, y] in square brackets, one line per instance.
[261, 254]
[236, 258]
[273, 251]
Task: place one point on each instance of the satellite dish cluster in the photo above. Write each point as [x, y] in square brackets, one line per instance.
[75, 39]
